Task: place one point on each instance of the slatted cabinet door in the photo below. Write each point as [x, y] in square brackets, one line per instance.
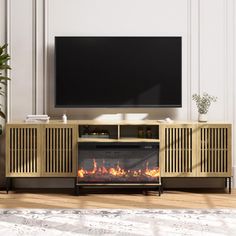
[60, 150]
[23, 150]
[214, 150]
[178, 150]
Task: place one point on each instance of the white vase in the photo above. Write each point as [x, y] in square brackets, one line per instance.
[202, 117]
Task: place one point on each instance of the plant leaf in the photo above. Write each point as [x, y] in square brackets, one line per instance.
[4, 56]
[4, 78]
[2, 114]
[5, 67]
[2, 48]
[2, 61]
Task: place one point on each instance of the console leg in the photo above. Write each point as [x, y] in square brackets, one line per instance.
[77, 191]
[159, 191]
[8, 184]
[229, 185]
[76, 187]
[145, 192]
[226, 179]
[161, 186]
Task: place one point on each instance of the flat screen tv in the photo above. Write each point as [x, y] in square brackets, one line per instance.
[118, 71]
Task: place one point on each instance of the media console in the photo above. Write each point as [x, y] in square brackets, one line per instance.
[130, 153]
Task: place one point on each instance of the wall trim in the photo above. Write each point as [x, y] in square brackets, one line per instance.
[189, 57]
[195, 56]
[45, 54]
[234, 84]
[34, 56]
[199, 47]
[230, 66]
[8, 108]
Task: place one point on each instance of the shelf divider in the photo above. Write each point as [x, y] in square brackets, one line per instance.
[118, 132]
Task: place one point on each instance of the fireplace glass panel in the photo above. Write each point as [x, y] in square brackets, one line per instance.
[118, 163]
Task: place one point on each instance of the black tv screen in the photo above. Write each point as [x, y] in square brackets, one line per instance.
[118, 71]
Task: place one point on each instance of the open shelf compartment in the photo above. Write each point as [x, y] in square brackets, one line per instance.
[139, 133]
[98, 133]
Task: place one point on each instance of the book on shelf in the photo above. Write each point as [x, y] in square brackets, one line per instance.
[95, 136]
[37, 118]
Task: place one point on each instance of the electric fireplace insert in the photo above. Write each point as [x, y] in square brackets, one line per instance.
[118, 164]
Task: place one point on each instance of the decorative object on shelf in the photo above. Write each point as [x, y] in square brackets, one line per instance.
[140, 132]
[203, 104]
[148, 133]
[37, 118]
[168, 120]
[4, 58]
[86, 130]
[95, 133]
[64, 118]
[202, 117]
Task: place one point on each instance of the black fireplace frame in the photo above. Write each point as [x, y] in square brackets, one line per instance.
[144, 185]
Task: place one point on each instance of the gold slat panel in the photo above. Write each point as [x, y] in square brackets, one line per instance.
[178, 153]
[215, 153]
[59, 151]
[66, 150]
[221, 151]
[22, 152]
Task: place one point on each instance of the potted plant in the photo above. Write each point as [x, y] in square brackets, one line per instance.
[4, 58]
[203, 104]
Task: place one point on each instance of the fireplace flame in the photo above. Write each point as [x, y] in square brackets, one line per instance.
[94, 167]
[118, 171]
[81, 173]
[151, 173]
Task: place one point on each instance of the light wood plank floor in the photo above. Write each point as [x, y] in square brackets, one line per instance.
[107, 199]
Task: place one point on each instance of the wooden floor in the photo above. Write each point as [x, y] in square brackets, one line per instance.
[128, 199]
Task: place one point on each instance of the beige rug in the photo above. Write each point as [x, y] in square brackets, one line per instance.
[118, 222]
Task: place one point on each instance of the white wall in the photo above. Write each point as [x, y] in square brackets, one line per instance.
[2, 100]
[205, 25]
[124, 17]
[207, 28]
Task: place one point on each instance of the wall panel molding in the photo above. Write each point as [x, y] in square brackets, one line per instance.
[234, 84]
[214, 55]
[21, 40]
[189, 57]
[45, 54]
[39, 58]
[8, 40]
[194, 56]
[230, 87]
[40, 41]
[34, 56]
[51, 9]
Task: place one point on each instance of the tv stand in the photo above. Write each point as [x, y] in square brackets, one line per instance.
[187, 149]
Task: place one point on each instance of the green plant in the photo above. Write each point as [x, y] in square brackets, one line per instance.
[4, 58]
[203, 102]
